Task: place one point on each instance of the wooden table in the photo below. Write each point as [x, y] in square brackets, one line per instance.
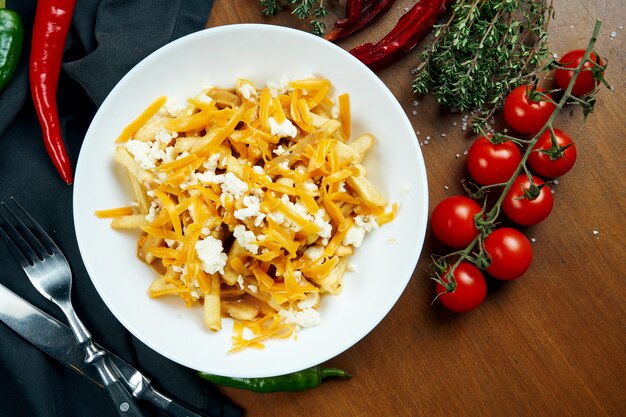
[552, 343]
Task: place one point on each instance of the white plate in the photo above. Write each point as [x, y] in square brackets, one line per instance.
[384, 263]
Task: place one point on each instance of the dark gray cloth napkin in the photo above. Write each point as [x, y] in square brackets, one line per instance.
[107, 38]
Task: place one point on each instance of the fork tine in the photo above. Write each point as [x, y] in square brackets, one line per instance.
[31, 244]
[19, 246]
[45, 241]
[13, 246]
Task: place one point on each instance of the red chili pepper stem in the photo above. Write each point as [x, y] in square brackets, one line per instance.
[52, 23]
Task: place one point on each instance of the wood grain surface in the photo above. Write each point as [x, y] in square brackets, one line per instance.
[552, 343]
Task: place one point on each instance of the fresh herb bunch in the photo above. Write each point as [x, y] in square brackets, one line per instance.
[312, 10]
[484, 50]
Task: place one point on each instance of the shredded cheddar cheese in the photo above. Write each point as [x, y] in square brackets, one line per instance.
[249, 202]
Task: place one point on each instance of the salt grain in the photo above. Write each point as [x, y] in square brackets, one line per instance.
[532, 239]
[613, 35]
[443, 135]
[595, 232]
[446, 187]
[414, 112]
[415, 103]
[458, 155]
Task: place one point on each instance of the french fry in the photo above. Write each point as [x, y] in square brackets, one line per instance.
[212, 305]
[365, 190]
[140, 193]
[332, 282]
[148, 131]
[361, 145]
[240, 310]
[123, 157]
[230, 275]
[131, 221]
[224, 98]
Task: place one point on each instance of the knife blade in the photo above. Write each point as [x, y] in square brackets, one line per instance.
[57, 340]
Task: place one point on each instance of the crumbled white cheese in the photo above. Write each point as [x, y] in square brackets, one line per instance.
[366, 222]
[306, 318]
[252, 208]
[152, 212]
[334, 111]
[240, 282]
[278, 87]
[203, 98]
[211, 253]
[314, 252]
[279, 150]
[354, 236]
[211, 163]
[141, 153]
[174, 106]
[277, 216]
[325, 226]
[310, 186]
[253, 288]
[164, 136]
[309, 301]
[286, 128]
[258, 170]
[247, 91]
[233, 185]
[245, 237]
[190, 180]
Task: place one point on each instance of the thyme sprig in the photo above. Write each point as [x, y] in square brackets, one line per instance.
[484, 50]
[312, 10]
[486, 220]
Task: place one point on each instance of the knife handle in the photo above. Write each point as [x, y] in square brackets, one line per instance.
[175, 409]
[125, 405]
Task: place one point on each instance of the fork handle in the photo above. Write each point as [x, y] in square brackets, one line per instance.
[124, 403]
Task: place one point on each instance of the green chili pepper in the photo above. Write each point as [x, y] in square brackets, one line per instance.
[297, 381]
[11, 39]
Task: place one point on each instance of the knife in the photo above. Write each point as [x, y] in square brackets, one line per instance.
[57, 340]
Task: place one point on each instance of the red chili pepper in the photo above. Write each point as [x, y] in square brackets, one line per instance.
[412, 27]
[370, 11]
[52, 22]
[353, 11]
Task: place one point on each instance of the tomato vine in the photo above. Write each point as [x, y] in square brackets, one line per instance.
[485, 220]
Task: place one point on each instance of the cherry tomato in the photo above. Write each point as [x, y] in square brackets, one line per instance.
[510, 252]
[543, 164]
[585, 82]
[470, 290]
[453, 221]
[525, 115]
[490, 163]
[523, 210]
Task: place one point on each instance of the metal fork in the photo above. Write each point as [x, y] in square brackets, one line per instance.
[49, 272]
